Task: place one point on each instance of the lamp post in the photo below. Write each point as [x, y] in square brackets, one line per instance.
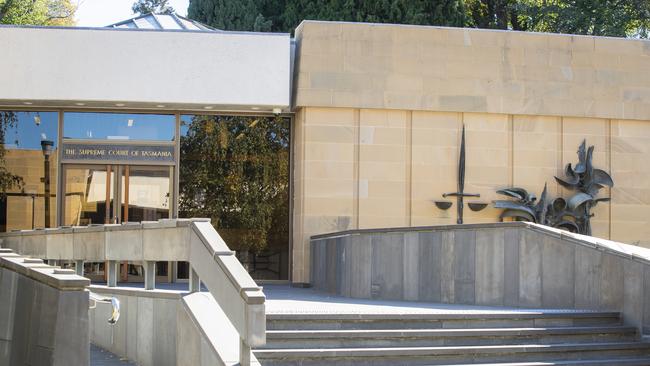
[47, 146]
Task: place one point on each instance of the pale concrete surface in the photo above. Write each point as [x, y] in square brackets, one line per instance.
[284, 299]
[102, 357]
[230, 58]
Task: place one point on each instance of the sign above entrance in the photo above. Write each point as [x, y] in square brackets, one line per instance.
[118, 153]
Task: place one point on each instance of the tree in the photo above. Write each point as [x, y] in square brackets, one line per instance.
[285, 15]
[152, 6]
[240, 15]
[37, 12]
[235, 170]
[7, 179]
[590, 17]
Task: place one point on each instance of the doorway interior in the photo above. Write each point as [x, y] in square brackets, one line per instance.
[97, 194]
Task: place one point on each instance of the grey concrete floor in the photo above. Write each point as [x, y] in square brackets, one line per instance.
[102, 357]
[284, 299]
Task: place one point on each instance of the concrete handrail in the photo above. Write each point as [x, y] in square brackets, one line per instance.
[193, 240]
[231, 286]
[43, 311]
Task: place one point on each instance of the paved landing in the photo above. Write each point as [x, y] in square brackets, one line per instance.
[291, 300]
[102, 357]
[284, 299]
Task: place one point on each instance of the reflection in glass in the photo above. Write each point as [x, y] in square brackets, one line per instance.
[146, 193]
[28, 169]
[89, 195]
[118, 126]
[235, 170]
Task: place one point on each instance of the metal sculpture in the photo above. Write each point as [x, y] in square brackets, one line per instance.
[586, 181]
[525, 207]
[573, 214]
[460, 193]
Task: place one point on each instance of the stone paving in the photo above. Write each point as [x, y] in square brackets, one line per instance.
[102, 357]
[284, 299]
[291, 300]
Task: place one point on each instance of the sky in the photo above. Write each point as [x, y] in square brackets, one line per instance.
[100, 13]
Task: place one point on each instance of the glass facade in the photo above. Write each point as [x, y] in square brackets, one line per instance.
[28, 169]
[119, 126]
[122, 167]
[235, 170]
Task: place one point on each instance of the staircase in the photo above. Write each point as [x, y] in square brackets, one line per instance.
[521, 338]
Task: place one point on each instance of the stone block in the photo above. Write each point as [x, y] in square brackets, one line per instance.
[89, 246]
[166, 244]
[411, 266]
[124, 245]
[131, 314]
[72, 338]
[164, 346]
[490, 266]
[447, 274]
[59, 246]
[387, 265]
[587, 278]
[511, 267]
[633, 292]
[465, 267]
[645, 329]
[530, 269]
[557, 274]
[188, 347]
[430, 266]
[612, 282]
[332, 269]
[361, 272]
[145, 324]
[8, 291]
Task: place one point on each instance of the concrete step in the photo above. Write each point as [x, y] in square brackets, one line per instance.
[450, 355]
[514, 319]
[284, 339]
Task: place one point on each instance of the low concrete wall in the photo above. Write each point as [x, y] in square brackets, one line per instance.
[508, 264]
[146, 330]
[205, 335]
[43, 314]
[163, 240]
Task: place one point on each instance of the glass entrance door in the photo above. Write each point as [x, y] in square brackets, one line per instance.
[106, 194]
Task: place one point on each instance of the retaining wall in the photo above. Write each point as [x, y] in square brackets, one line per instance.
[502, 264]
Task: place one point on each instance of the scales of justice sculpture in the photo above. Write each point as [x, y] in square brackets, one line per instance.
[460, 193]
[573, 214]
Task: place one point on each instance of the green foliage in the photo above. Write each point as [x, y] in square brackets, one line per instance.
[152, 6]
[7, 179]
[235, 170]
[589, 17]
[285, 15]
[37, 12]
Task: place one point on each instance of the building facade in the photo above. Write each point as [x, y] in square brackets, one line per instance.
[365, 119]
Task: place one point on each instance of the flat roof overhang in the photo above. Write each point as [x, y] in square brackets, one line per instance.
[101, 68]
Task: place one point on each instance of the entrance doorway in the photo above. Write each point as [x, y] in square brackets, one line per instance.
[113, 194]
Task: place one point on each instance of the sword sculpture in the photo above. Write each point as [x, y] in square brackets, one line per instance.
[460, 194]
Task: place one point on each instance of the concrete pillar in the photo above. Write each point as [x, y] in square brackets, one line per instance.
[195, 282]
[79, 267]
[149, 275]
[113, 271]
[244, 353]
[51, 262]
